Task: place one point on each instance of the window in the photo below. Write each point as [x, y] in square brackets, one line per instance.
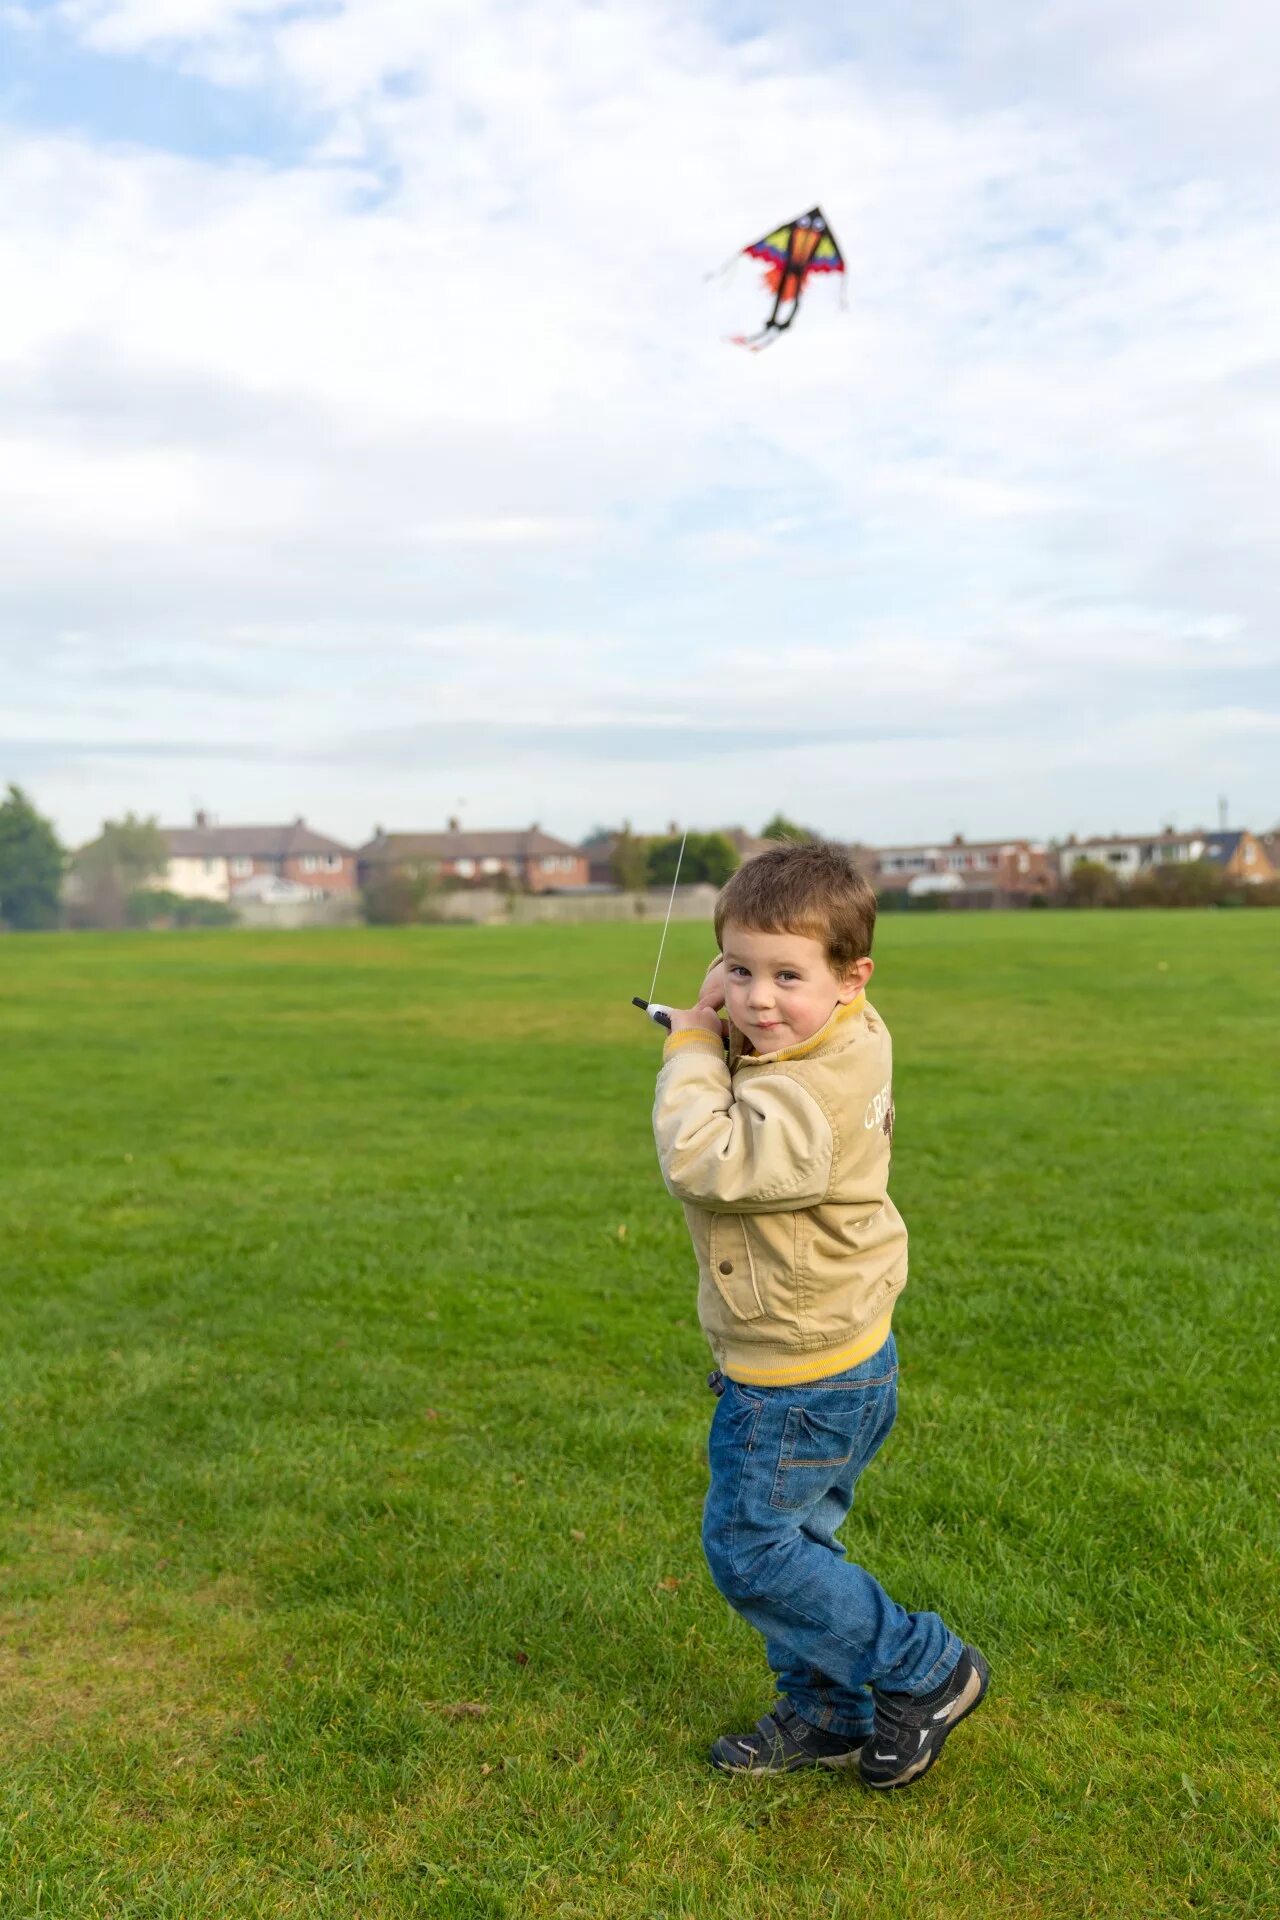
[210, 866]
[240, 865]
[491, 865]
[309, 862]
[557, 863]
[464, 868]
[333, 862]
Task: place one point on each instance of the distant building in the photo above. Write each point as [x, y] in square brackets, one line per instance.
[514, 856]
[1241, 855]
[209, 862]
[270, 890]
[598, 854]
[747, 845]
[986, 872]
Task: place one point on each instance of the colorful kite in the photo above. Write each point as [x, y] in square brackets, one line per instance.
[803, 247]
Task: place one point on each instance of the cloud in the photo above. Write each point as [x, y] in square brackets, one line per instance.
[427, 435]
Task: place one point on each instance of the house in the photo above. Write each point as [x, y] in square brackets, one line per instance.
[598, 854]
[986, 872]
[747, 845]
[208, 861]
[1240, 855]
[512, 856]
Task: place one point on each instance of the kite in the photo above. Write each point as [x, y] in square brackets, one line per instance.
[802, 247]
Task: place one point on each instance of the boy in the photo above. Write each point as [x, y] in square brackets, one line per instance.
[781, 1157]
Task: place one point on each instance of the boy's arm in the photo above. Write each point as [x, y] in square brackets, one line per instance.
[765, 1147]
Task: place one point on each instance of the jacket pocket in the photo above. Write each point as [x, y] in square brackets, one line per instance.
[733, 1266]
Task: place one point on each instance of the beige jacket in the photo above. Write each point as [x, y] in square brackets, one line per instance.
[782, 1162]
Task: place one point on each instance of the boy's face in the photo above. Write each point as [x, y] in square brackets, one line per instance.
[779, 987]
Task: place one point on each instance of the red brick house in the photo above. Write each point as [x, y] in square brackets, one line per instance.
[523, 857]
[208, 861]
[986, 872]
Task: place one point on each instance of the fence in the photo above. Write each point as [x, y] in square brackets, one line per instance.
[339, 910]
[535, 909]
[486, 906]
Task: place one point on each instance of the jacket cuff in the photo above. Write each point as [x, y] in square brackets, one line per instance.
[696, 1038]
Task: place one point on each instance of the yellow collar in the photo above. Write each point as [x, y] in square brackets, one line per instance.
[830, 1025]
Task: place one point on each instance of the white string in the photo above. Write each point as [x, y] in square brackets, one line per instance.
[667, 922]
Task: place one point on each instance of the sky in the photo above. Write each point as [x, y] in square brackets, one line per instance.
[372, 447]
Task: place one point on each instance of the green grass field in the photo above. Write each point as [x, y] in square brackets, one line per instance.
[354, 1434]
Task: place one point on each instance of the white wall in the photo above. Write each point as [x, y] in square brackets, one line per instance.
[196, 878]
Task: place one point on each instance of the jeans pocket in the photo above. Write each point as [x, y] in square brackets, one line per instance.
[818, 1452]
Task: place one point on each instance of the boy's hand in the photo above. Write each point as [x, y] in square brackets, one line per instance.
[682, 1018]
[711, 992]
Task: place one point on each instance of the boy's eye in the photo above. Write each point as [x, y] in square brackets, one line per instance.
[788, 976]
[737, 970]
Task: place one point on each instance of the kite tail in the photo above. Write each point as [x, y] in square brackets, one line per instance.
[755, 342]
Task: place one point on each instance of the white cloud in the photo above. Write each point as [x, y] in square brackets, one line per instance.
[435, 421]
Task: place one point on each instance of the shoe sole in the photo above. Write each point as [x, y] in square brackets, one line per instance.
[833, 1761]
[966, 1703]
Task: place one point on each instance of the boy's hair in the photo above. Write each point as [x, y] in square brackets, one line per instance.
[808, 887]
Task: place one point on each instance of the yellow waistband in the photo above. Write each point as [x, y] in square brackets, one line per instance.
[821, 1365]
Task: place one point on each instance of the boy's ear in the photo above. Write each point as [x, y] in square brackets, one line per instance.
[855, 980]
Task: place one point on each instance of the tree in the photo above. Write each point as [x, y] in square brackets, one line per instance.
[630, 859]
[1090, 884]
[780, 828]
[31, 863]
[397, 896]
[708, 857]
[1183, 883]
[125, 855]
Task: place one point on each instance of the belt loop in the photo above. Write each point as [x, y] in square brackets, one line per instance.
[716, 1382]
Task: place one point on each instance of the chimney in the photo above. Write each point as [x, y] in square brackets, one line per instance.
[202, 818]
[535, 828]
[455, 825]
[673, 828]
[957, 839]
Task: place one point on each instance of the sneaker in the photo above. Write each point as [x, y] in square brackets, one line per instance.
[781, 1742]
[911, 1727]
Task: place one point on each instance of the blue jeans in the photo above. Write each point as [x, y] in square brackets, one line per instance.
[784, 1465]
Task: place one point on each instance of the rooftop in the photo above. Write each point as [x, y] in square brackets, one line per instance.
[209, 840]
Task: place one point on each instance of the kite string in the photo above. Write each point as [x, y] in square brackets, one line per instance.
[667, 922]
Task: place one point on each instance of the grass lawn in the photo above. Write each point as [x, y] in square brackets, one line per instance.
[354, 1434]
